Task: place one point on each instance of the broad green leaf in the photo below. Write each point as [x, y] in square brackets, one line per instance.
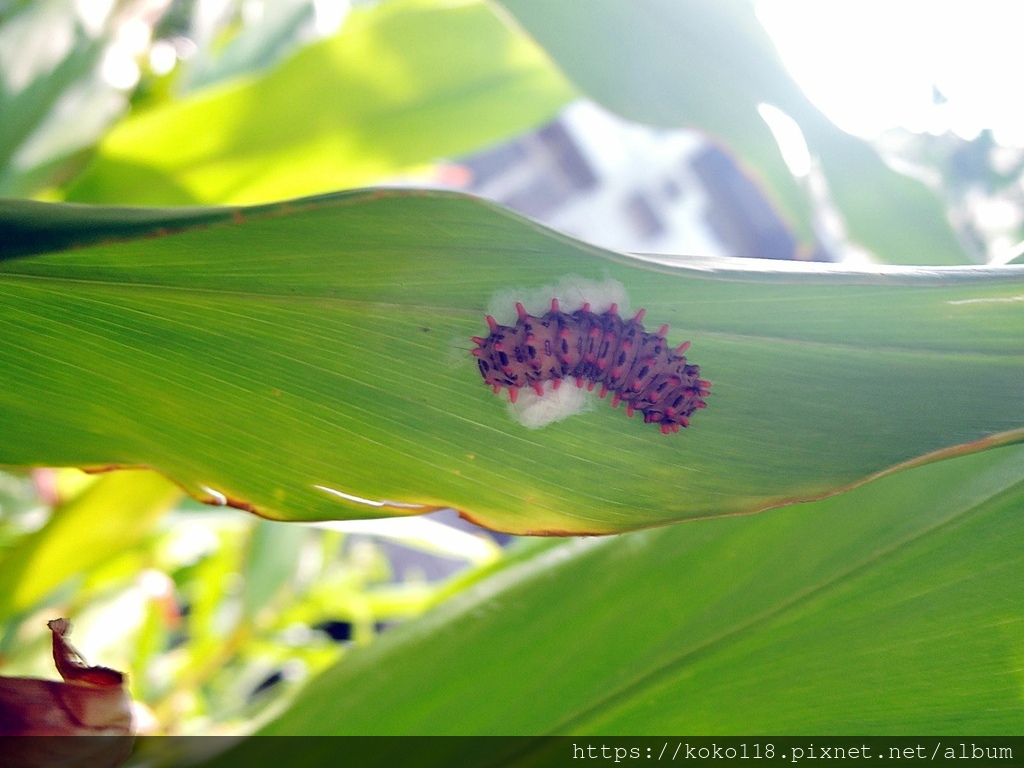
[312, 360]
[403, 84]
[689, 63]
[114, 513]
[891, 609]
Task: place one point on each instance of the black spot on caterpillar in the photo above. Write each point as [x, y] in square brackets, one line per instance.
[638, 367]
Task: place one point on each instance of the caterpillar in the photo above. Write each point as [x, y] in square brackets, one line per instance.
[638, 367]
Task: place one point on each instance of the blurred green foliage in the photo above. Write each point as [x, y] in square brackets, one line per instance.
[889, 609]
[214, 615]
[403, 84]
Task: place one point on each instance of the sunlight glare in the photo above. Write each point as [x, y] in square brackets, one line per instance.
[872, 65]
[789, 137]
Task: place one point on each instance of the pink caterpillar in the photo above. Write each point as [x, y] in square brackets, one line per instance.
[637, 366]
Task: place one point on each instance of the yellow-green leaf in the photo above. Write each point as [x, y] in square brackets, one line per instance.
[403, 84]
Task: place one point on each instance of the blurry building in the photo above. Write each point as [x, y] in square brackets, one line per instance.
[630, 188]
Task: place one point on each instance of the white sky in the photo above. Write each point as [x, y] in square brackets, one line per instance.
[870, 64]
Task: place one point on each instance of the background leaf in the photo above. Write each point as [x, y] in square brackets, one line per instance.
[312, 360]
[891, 609]
[114, 513]
[402, 84]
[50, 61]
[688, 63]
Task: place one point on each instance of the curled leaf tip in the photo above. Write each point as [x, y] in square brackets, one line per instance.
[72, 666]
[90, 701]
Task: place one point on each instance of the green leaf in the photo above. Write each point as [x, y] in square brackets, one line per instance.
[403, 84]
[312, 360]
[50, 63]
[113, 514]
[892, 609]
[29, 227]
[260, 43]
[894, 216]
[707, 65]
[273, 554]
